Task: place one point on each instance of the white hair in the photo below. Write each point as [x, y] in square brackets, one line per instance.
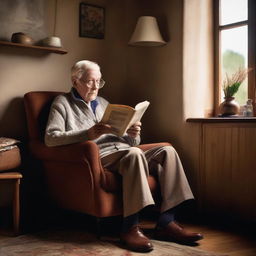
[81, 67]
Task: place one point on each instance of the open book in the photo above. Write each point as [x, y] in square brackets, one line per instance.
[122, 117]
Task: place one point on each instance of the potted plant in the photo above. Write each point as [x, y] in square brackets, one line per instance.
[230, 85]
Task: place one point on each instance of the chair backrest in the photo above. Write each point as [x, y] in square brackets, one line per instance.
[37, 107]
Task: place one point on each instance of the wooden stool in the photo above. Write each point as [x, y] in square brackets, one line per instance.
[15, 177]
[10, 160]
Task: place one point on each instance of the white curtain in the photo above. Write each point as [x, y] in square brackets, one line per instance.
[198, 58]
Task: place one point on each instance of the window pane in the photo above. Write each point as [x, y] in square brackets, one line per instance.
[233, 11]
[234, 48]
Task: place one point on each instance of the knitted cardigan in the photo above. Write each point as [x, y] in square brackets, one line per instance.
[69, 119]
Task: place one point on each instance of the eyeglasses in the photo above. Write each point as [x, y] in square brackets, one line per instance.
[90, 83]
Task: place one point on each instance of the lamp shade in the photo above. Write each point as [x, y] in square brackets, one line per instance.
[146, 33]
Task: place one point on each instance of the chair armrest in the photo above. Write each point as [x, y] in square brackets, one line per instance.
[77, 152]
[84, 151]
[84, 154]
[146, 147]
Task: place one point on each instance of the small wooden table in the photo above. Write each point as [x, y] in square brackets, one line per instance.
[15, 177]
[10, 160]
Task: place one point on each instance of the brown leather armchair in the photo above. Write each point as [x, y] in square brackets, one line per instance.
[74, 175]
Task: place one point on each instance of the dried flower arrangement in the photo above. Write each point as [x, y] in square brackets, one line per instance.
[232, 83]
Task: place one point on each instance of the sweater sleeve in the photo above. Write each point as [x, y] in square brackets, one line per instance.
[56, 134]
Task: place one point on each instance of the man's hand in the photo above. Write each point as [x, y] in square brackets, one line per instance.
[97, 130]
[134, 130]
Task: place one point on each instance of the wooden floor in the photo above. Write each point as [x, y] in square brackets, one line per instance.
[235, 240]
[231, 239]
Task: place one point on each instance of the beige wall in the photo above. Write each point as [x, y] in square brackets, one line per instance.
[23, 70]
[175, 78]
[155, 74]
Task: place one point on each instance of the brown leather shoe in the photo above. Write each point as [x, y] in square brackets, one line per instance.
[175, 233]
[135, 240]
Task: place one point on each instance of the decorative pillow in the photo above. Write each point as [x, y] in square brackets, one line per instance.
[6, 142]
[7, 148]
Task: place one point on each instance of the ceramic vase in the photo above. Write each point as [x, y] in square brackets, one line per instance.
[229, 107]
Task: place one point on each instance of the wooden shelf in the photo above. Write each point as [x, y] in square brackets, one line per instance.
[42, 48]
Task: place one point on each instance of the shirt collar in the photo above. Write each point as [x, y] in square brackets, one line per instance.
[93, 104]
[75, 94]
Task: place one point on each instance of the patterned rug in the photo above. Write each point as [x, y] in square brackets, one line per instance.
[77, 243]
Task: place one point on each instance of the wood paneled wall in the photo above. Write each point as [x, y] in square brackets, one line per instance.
[228, 169]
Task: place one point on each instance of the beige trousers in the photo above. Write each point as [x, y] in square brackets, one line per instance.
[135, 165]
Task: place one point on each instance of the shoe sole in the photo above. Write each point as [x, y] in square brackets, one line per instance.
[177, 241]
[136, 249]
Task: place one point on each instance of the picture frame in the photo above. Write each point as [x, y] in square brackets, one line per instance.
[91, 21]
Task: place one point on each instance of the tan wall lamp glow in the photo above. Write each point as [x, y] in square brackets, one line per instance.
[146, 33]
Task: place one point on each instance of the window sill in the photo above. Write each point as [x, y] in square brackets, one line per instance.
[238, 119]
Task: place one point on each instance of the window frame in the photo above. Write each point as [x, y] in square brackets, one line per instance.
[251, 22]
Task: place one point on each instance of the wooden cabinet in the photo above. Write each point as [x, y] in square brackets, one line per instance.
[227, 183]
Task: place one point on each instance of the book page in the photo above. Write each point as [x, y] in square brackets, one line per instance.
[140, 110]
[118, 116]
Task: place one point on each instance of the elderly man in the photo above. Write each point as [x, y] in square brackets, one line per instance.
[76, 116]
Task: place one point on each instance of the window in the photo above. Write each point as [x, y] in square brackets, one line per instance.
[235, 45]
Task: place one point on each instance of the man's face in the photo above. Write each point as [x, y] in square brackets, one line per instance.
[88, 80]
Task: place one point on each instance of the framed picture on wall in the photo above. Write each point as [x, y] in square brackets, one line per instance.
[91, 21]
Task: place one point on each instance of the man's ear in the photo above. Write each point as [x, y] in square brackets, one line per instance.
[74, 82]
